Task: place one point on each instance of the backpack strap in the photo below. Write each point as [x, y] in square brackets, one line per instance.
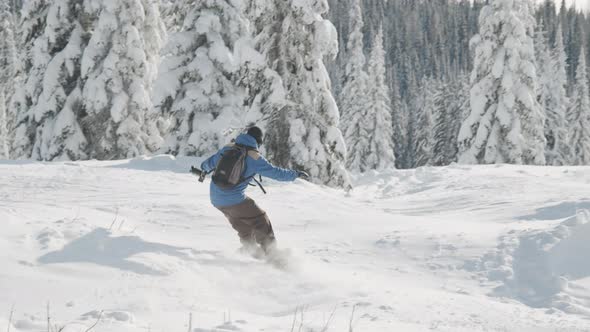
[254, 154]
[259, 184]
[253, 177]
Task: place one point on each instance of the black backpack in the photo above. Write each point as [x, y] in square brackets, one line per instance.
[230, 168]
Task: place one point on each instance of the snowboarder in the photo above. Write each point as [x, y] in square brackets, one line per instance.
[246, 217]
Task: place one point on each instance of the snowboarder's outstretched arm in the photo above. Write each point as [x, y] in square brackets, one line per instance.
[265, 168]
[261, 166]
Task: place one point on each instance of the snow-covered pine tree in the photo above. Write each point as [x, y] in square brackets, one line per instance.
[544, 70]
[199, 83]
[3, 127]
[9, 63]
[410, 103]
[464, 103]
[119, 66]
[575, 39]
[556, 105]
[8, 69]
[578, 116]
[543, 62]
[422, 124]
[400, 121]
[532, 115]
[338, 15]
[440, 130]
[266, 96]
[506, 123]
[381, 145]
[451, 102]
[53, 85]
[356, 126]
[267, 18]
[295, 39]
[28, 80]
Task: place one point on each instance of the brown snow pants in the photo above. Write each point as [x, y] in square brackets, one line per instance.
[251, 223]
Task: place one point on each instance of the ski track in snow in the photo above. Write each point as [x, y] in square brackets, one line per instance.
[137, 246]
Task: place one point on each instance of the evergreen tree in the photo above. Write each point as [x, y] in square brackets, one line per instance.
[574, 41]
[556, 105]
[3, 127]
[547, 14]
[28, 79]
[381, 144]
[9, 18]
[543, 62]
[119, 66]
[55, 85]
[579, 117]
[410, 104]
[9, 65]
[199, 85]
[450, 104]
[421, 124]
[304, 133]
[506, 122]
[338, 15]
[544, 70]
[266, 97]
[440, 130]
[399, 119]
[355, 125]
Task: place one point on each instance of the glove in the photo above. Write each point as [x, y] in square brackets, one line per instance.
[303, 175]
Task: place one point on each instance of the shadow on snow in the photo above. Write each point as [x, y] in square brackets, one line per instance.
[558, 211]
[98, 247]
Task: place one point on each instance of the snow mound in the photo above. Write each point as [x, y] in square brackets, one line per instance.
[8, 162]
[545, 268]
[160, 163]
[558, 211]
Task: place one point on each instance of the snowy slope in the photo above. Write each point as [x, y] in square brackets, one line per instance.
[137, 246]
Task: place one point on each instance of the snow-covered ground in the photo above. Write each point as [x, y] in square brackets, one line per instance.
[136, 246]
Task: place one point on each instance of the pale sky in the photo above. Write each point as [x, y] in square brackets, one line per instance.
[580, 4]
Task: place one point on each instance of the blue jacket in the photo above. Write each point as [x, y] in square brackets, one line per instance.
[255, 164]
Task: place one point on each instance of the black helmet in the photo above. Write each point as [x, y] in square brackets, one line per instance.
[256, 133]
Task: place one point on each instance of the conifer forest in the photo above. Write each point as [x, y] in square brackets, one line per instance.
[338, 86]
